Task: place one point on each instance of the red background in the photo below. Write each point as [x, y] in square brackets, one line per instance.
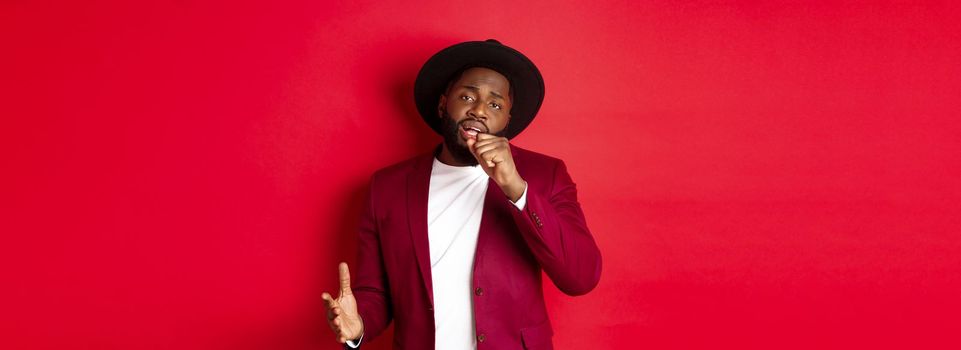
[186, 175]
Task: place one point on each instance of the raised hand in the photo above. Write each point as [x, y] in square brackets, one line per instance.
[493, 153]
[342, 313]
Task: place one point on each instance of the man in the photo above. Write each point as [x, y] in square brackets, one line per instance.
[452, 244]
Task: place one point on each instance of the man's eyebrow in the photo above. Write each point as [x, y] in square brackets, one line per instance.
[477, 89]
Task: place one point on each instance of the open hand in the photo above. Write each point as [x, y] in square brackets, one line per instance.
[342, 313]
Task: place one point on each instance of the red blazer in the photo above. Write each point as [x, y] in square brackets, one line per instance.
[392, 277]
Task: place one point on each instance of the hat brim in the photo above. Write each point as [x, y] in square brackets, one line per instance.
[527, 85]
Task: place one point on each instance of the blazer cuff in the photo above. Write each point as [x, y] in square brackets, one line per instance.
[522, 202]
[354, 344]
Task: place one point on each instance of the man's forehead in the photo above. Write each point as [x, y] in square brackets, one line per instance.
[477, 76]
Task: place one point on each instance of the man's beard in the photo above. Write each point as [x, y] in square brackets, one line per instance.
[451, 134]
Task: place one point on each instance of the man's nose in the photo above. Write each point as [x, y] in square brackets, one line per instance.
[477, 111]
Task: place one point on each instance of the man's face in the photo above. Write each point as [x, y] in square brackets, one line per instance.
[478, 102]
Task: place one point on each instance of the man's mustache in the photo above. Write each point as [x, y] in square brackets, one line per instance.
[467, 119]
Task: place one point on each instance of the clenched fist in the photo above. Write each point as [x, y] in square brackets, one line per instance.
[493, 153]
[342, 313]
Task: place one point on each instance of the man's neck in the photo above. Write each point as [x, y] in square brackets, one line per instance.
[447, 158]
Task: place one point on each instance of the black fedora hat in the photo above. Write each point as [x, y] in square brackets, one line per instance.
[526, 82]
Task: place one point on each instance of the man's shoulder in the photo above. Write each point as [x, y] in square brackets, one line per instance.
[527, 158]
[403, 168]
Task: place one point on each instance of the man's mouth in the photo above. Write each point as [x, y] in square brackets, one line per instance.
[470, 129]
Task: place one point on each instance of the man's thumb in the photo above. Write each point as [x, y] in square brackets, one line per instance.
[344, 279]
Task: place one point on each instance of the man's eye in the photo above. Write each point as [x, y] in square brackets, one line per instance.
[467, 98]
[496, 106]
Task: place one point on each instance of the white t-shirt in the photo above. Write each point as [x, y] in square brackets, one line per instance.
[454, 209]
[455, 206]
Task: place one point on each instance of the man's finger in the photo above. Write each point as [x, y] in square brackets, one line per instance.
[482, 160]
[496, 142]
[480, 150]
[328, 300]
[471, 145]
[485, 137]
[481, 136]
[491, 155]
[344, 279]
[482, 143]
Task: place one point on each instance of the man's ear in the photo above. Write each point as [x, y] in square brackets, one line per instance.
[441, 105]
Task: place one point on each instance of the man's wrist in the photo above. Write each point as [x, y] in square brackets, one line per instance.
[514, 189]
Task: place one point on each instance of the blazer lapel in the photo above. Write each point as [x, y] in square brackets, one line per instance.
[418, 187]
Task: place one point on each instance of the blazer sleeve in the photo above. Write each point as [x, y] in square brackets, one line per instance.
[553, 226]
[370, 281]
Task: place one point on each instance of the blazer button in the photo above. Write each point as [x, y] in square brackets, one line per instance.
[480, 338]
[430, 308]
[479, 291]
